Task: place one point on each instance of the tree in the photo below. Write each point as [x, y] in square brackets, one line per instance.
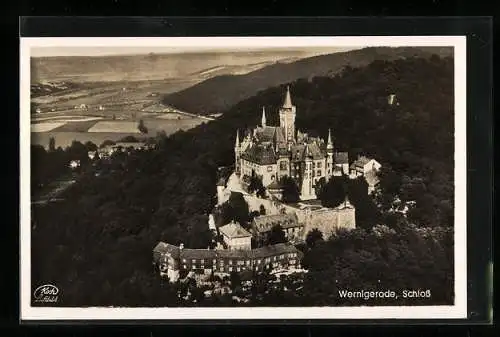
[52, 144]
[235, 280]
[290, 190]
[129, 139]
[313, 236]
[142, 128]
[235, 208]
[107, 142]
[276, 235]
[367, 213]
[333, 192]
[256, 186]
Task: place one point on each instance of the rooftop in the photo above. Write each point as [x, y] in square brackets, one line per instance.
[342, 158]
[264, 223]
[262, 154]
[234, 230]
[163, 247]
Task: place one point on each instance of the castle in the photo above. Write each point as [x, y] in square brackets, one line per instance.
[273, 152]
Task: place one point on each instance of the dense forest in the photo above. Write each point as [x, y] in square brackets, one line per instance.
[96, 245]
[219, 93]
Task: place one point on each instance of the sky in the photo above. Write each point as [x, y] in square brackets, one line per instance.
[105, 51]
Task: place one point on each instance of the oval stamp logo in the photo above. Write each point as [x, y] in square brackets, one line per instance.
[46, 293]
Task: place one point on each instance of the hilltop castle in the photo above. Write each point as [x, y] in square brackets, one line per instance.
[272, 152]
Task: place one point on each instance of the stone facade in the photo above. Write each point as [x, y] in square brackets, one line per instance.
[273, 152]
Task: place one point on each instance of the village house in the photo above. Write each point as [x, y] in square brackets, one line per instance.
[236, 237]
[363, 165]
[262, 226]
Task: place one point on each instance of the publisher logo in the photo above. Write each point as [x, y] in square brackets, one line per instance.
[47, 293]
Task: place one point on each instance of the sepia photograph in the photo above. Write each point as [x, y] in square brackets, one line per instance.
[246, 178]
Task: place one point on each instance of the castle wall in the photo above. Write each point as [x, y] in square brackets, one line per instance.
[329, 221]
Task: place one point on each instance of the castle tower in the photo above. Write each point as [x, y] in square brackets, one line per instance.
[307, 190]
[237, 153]
[287, 117]
[329, 156]
[263, 117]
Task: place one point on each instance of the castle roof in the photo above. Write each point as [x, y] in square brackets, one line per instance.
[273, 250]
[234, 230]
[264, 223]
[262, 154]
[188, 253]
[300, 151]
[342, 158]
[287, 104]
[265, 134]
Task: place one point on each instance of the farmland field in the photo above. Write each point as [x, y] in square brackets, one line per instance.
[97, 112]
[115, 126]
[65, 134]
[45, 126]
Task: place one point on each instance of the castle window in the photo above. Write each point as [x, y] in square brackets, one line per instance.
[318, 173]
[184, 266]
[193, 261]
[318, 165]
[184, 260]
[269, 168]
[283, 166]
[230, 268]
[202, 261]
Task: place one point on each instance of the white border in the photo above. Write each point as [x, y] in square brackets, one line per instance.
[459, 310]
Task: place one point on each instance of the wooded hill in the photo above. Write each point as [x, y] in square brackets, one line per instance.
[96, 245]
[219, 93]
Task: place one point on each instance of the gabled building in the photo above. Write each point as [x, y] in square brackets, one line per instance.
[363, 165]
[262, 226]
[166, 259]
[236, 237]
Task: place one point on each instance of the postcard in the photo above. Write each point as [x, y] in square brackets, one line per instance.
[195, 178]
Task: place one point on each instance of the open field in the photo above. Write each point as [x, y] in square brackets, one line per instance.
[46, 126]
[79, 126]
[115, 126]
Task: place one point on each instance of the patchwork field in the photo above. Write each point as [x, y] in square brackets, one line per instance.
[97, 112]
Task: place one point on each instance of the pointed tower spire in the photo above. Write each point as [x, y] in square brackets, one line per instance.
[287, 104]
[263, 117]
[237, 144]
[329, 144]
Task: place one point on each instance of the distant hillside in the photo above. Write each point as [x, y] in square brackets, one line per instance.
[192, 66]
[219, 93]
